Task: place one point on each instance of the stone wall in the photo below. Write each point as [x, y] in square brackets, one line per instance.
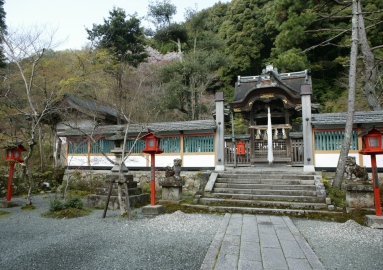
[194, 180]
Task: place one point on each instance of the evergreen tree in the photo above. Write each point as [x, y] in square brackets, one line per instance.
[3, 31]
[123, 38]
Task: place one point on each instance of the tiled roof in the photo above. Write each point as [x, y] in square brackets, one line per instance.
[340, 118]
[91, 105]
[159, 128]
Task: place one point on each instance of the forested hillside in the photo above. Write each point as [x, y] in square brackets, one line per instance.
[171, 71]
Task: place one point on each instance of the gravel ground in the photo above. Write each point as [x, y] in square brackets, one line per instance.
[344, 245]
[170, 241]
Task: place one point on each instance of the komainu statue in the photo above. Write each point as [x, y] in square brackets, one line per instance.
[175, 170]
[353, 169]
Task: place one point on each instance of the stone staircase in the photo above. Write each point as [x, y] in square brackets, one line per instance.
[264, 192]
[136, 197]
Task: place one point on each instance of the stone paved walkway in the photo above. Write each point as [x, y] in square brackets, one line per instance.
[259, 242]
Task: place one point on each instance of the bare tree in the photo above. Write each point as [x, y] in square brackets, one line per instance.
[351, 97]
[24, 49]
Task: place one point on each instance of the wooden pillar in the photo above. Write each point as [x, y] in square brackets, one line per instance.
[219, 140]
[287, 132]
[308, 163]
[252, 138]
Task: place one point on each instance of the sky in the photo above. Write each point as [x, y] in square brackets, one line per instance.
[71, 17]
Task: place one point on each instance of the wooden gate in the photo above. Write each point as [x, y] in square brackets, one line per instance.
[297, 157]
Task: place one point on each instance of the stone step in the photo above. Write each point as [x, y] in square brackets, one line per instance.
[261, 211]
[266, 181]
[266, 192]
[131, 184]
[312, 199]
[99, 201]
[105, 191]
[267, 176]
[260, 203]
[264, 186]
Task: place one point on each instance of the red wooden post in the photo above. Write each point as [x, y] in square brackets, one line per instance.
[10, 178]
[153, 181]
[378, 208]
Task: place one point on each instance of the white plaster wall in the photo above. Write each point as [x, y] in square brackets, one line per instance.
[330, 160]
[136, 161]
[367, 161]
[163, 161]
[77, 161]
[199, 161]
[141, 161]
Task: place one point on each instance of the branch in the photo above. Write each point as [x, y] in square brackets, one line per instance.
[376, 47]
[326, 42]
[326, 29]
[344, 3]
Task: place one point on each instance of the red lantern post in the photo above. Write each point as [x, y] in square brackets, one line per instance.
[372, 145]
[13, 154]
[152, 147]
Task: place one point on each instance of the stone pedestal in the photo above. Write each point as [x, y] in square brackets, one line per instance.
[359, 196]
[374, 221]
[9, 204]
[153, 209]
[171, 189]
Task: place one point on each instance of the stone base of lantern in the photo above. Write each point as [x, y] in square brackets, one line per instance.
[375, 222]
[9, 204]
[359, 195]
[150, 210]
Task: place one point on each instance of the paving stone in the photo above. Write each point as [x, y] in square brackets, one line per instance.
[259, 242]
[283, 233]
[226, 262]
[250, 251]
[298, 264]
[229, 249]
[291, 249]
[273, 258]
[249, 265]
[269, 240]
[232, 239]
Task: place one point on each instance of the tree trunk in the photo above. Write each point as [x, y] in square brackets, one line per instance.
[41, 147]
[369, 64]
[29, 174]
[351, 99]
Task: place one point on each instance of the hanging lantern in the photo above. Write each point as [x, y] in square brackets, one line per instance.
[240, 148]
[371, 141]
[13, 152]
[152, 144]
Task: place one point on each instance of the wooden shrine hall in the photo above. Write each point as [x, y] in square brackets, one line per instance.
[270, 102]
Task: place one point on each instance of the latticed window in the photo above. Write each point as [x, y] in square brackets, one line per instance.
[171, 144]
[333, 140]
[139, 145]
[105, 145]
[79, 146]
[199, 144]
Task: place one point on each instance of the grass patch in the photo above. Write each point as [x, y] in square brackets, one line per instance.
[67, 213]
[4, 214]
[28, 207]
[71, 208]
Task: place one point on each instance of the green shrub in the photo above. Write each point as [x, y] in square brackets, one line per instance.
[74, 202]
[337, 196]
[56, 205]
